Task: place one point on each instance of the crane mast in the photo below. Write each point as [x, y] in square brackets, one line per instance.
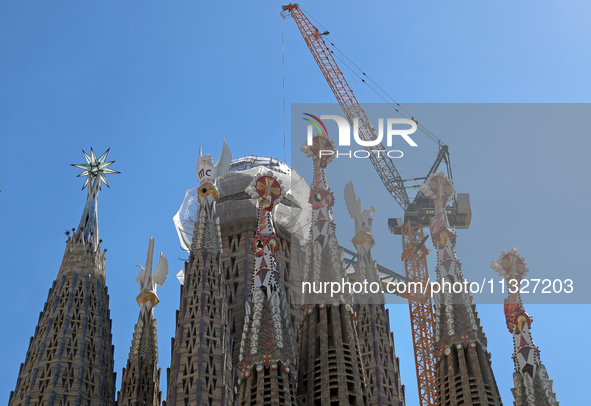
[414, 252]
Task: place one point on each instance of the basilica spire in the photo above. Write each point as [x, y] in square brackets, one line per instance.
[70, 356]
[140, 384]
[267, 352]
[330, 365]
[463, 366]
[376, 341]
[200, 370]
[533, 387]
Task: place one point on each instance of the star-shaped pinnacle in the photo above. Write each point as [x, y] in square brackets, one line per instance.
[95, 167]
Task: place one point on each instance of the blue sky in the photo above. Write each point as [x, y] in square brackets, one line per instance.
[153, 81]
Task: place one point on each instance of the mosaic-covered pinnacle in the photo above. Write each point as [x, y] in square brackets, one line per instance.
[321, 150]
[267, 189]
[439, 188]
[95, 168]
[510, 265]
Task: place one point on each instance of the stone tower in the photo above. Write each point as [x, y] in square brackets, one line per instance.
[200, 372]
[330, 368]
[533, 387]
[140, 383]
[70, 356]
[266, 372]
[238, 218]
[376, 340]
[464, 373]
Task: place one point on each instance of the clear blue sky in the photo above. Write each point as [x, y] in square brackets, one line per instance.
[154, 80]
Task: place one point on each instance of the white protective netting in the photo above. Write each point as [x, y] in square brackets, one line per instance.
[185, 219]
[235, 205]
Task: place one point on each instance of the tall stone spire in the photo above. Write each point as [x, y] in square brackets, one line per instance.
[140, 384]
[330, 369]
[533, 387]
[463, 367]
[376, 340]
[266, 374]
[70, 356]
[200, 370]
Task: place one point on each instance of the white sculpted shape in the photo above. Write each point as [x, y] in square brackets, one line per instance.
[146, 279]
[206, 171]
[363, 217]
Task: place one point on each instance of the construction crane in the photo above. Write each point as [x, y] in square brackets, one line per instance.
[417, 213]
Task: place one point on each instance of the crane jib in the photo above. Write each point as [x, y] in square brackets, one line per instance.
[421, 309]
[384, 165]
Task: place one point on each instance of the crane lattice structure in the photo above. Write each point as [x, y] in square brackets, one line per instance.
[417, 213]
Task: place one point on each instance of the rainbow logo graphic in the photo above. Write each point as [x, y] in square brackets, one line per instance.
[315, 124]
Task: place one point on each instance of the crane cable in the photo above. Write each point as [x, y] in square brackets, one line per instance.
[420, 126]
[433, 138]
[371, 107]
[283, 80]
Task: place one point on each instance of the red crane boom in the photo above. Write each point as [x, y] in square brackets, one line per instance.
[414, 254]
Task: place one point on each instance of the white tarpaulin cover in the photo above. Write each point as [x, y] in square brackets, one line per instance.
[235, 205]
